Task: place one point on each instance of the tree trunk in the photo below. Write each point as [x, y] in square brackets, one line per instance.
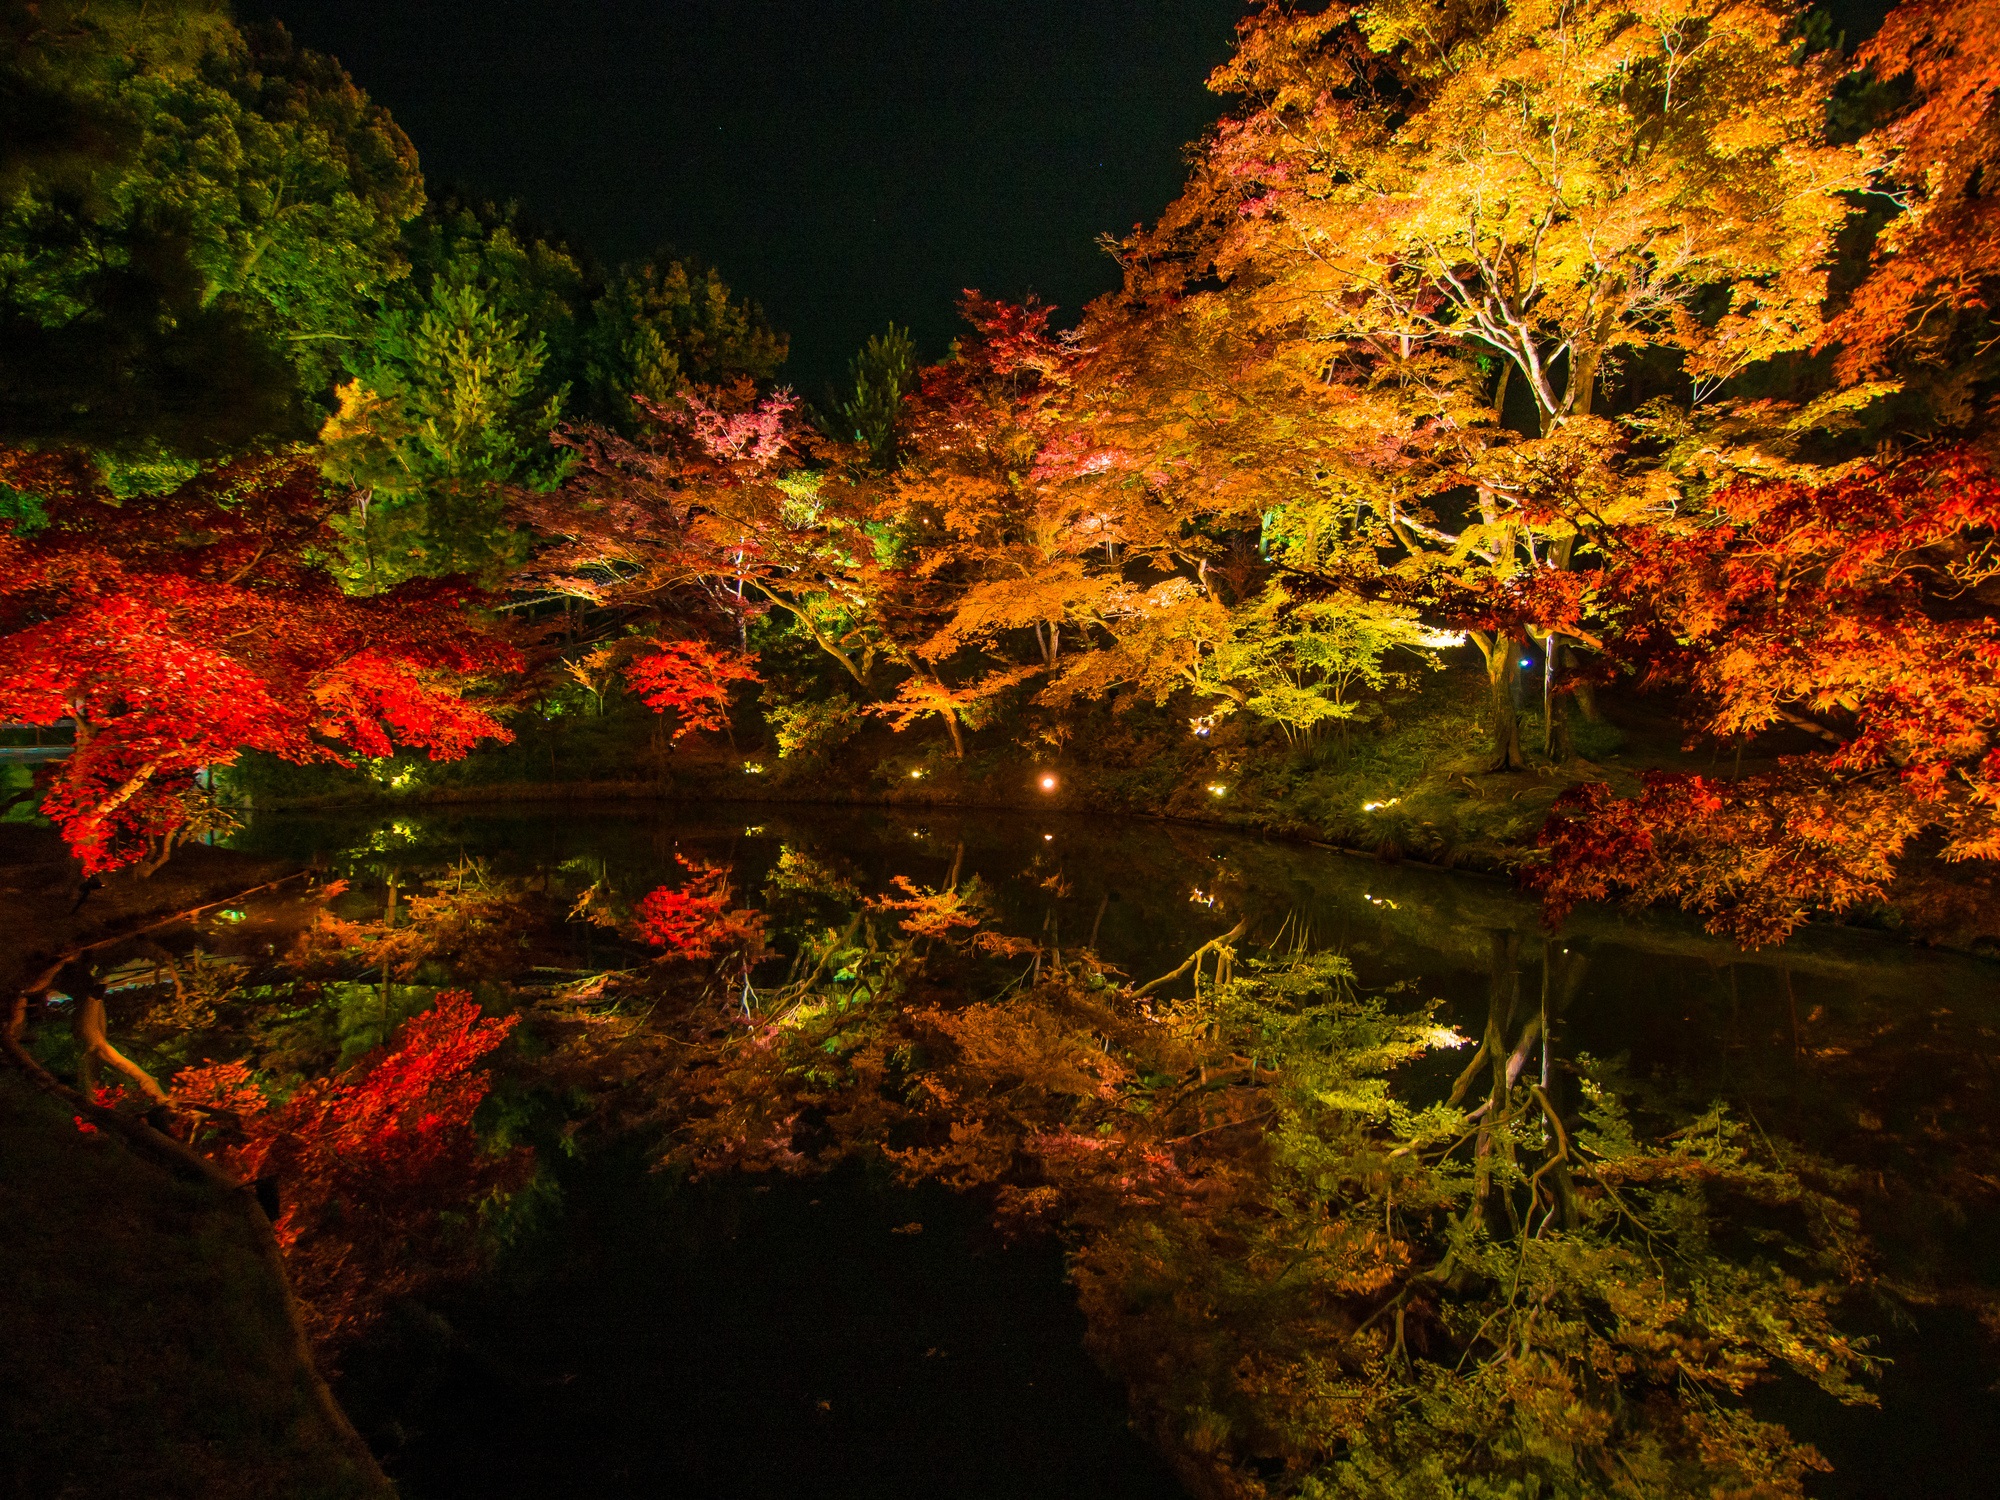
[1555, 706]
[87, 1023]
[150, 864]
[1503, 677]
[820, 637]
[1586, 703]
[957, 740]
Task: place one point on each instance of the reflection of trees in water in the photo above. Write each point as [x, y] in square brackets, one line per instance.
[1316, 1239]
[1305, 1266]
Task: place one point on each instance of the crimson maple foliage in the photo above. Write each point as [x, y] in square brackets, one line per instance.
[177, 632]
[1849, 610]
[697, 921]
[692, 680]
[377, 1166]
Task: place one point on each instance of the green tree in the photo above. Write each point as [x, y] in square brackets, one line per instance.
[195, 222]
[528, 271]
[1309, 661]
[441, 417]
[1298, 664]
[880, 376]
[663, 324]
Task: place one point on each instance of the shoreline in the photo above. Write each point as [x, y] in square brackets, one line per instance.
[1921, 915]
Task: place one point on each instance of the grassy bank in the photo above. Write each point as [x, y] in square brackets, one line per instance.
[148, 1348]
[1407, 781]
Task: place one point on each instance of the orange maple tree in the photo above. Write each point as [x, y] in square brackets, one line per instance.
[707, 522]
[1936, 263]
[1384, 314]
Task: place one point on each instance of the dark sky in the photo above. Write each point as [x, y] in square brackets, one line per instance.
[843, 162]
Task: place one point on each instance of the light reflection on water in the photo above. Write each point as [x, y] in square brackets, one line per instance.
[1873, 1053]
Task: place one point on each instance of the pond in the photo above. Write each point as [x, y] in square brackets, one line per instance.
[844, 1335]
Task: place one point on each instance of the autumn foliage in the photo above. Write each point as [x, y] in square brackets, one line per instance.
[380, 1175]
[1934, 269]
[1847, 612]
[1654, 338]
[176, 632]
[1584, 335]
[690, 679]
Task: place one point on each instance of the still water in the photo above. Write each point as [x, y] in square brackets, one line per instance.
[802, 1338]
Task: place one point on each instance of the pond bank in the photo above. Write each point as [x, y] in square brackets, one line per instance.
[151, 1352]
[1409, 784]
[152, 1326]
[1932, 905]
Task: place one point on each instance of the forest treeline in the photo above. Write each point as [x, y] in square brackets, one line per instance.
[1631, 343]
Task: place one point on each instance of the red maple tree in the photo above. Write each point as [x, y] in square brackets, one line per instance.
[377, 1166]
[1849, 610]
[176, 632]
[692, 680]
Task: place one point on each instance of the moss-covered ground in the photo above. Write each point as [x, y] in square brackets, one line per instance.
[148, 1351]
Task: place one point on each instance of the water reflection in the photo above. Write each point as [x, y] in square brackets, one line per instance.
[1585, 1071]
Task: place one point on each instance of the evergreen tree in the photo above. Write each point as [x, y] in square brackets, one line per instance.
[662, 324]
[195, 222]
[880, 375]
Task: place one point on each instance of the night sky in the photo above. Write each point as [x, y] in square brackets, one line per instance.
[843, 162]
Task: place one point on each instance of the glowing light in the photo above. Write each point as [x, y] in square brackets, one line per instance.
[1048, 838]
[753, 830]
[1437, 639]
[1216, 789]
[918, 774]
[1371, 806]
[1527, 661]
[753, 768]
[1048, 783]
[1446, 1036]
